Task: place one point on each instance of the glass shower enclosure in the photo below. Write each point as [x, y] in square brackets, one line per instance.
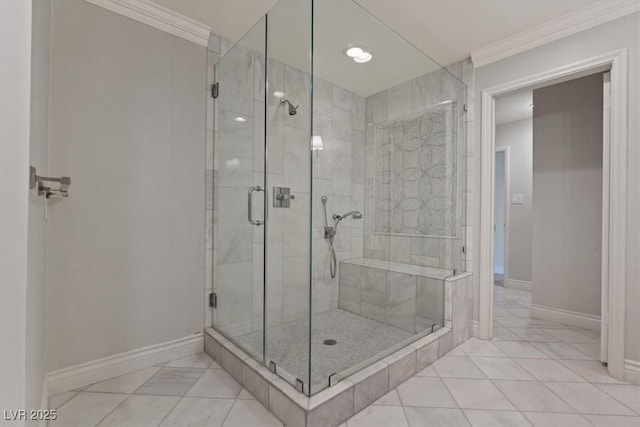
[338, 191]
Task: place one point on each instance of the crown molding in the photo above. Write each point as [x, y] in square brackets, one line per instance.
[154, 15]
[589, 17]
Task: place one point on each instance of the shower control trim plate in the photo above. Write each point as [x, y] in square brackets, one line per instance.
[282, 197]
[329, 232]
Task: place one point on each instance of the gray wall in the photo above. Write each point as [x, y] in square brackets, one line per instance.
[518, 136]
[38, 157]
[567, 183]
[125, 251]
[623, 33]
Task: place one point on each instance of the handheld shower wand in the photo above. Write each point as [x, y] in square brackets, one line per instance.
[330, 232]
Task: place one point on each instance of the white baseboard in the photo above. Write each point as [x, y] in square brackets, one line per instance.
[474, 328]
[632, 371]
[571, 318]
[521, 285]
[73, 377]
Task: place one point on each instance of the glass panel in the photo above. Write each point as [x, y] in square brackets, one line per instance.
[391, 122]
[288, 120]
[365, 201]
[239, 194]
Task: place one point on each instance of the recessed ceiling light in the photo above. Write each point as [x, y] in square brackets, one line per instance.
[240, 119]
[362, 58]
[354, 51]
[278, 94]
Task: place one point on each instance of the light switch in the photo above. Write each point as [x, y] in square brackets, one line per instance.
[517, 199]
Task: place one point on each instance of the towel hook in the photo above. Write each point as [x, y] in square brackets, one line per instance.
[38, 181]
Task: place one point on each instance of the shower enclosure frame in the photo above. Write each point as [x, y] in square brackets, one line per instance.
[233, 355]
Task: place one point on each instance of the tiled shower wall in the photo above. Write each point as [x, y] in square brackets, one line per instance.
[338, 172]
[407, 100]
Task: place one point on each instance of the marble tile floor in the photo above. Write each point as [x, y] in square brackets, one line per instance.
[534, 373]
[191, 391]
[550, 377]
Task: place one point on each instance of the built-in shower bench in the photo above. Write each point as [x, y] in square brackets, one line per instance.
[400, 267]
[407, 296]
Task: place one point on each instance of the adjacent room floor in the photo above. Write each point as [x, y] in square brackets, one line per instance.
[534, 373]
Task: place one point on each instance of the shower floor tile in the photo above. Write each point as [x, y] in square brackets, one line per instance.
[357, 339]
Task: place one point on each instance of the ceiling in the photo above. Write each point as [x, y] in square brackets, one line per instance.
[446, 30]
[337, 25]
[514, 107]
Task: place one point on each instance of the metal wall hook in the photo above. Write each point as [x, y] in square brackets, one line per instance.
[36, 181]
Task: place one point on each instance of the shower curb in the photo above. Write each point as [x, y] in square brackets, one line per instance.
[339, 402]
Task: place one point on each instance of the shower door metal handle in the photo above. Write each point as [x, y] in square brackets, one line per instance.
[255, 222]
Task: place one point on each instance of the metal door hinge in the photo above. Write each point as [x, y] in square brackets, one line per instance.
[215, 88]
[213, 300]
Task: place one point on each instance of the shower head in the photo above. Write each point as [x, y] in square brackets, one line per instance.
[354, 214]
[292, 110]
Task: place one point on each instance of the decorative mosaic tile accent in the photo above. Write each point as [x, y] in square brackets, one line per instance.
[415, 179]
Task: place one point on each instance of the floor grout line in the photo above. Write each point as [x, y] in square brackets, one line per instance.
[170, 411]
[441, 378]
[229, 411]
[113, 410]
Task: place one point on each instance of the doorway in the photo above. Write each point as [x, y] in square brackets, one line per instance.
[614, 188]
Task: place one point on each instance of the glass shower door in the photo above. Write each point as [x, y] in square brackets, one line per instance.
[288, 136]
[239, 193]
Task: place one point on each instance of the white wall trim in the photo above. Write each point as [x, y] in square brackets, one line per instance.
[617, 230]
[15, 115]
[112, 366]
[632, 371]
[474, 328]
[159, 17]
[567, 317]
[583, 19]
[44, 402]
[521, 285]
[507, 207]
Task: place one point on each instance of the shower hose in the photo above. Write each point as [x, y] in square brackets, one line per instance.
[332, 258]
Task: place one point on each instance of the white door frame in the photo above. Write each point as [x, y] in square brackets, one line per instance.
[616, 234]
[507, 192]
[15, 118]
